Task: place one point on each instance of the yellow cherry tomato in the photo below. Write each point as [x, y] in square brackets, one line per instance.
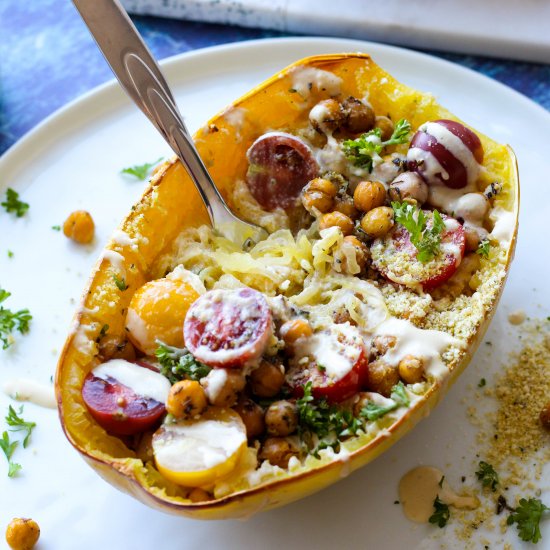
[199, 452]
[157, 312]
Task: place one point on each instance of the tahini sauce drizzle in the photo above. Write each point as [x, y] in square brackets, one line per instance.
[419, 488]
[25, 389]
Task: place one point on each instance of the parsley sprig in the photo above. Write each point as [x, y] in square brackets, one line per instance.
[399, 398]
[441, 514]
[9, 448]
[487, 475]
[12, 320]
[484, 248]
[140, 171]
[427, 240]
[363, 150]
[527, 516]
[13, 204]
[18, 424]
[178, 364]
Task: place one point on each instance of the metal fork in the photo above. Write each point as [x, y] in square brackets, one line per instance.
[141, 78]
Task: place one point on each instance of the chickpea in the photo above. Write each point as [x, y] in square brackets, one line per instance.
[545, 417]
[278, 451]
[378, 221]
[323, 185]
[381, 345]
[316, 200]
[112, 346]
[186, 399]
[369, 195]
[472, 207]
[199, 495]
[79, 227]
[408, 185]
[336, 219]
[222, 386]
[281, 418]
[268, 379]
[294, 329]
[474, 235]
[326, 116]
[385, 125]
[22, 533]
[253, 417]
[381, 377]
[359, 117]
[361, 253]
[411, 369]
[346, 206]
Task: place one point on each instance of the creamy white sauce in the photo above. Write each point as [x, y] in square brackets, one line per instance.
[306, 79]
[422, 343]
[142, 381]
[236, 117]
[431, 167]
[123, 239]
[116, 260]
[198, 445]
[505, 225]
[179, 273]
[139, 330]
[25, 389]
[213, 383]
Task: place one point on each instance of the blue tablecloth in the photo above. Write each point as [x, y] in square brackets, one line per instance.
[47, 58]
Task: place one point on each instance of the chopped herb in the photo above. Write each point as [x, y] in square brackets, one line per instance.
[12, 320]
[292, 90]
[140, 171]
[527, 516]
[483, 248]
[487, 475]
[56, 227]
[120, 283]
[178, 364]
[13, 204]
[441, 514]
[9, 447]
[103, 331]
[482, 383]
[19, 425]
[427, 240]
[366, 148]
[441, 481]
[10, 254]
[399, 398]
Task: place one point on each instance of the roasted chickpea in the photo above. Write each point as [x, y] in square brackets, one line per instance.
[111, 346]
[381, 377]
[472, 207]
[361, 254]
[358, 116]
[336, 219]
[381, 345]
[278, 451]
[186, 399]
[323, 185]
[385, 125]
[346, 206]
[378, 221]
[318, 201]
[281, 418]
[411, 369]
[294, 329]
[408, 186]
[222, 386]
[199, 495]
[369, 195]
[268, 379]
[326, 116]
[474, 235]
[545, 417]
[252, 415]
[22, 533]
[79, 227]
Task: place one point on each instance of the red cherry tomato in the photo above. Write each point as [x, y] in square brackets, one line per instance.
[445, 152]
[280, 166]
[228, 328]
[396, 257]
[336, 367]
[117, 408]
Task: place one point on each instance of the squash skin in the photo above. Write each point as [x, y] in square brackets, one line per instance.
[222, 147]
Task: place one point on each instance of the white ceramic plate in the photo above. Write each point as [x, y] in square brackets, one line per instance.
[73, 160]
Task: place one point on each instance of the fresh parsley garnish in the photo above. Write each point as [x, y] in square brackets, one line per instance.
[10, 254]
[483, 248]
[399, 398]
[441, 514]
[120, 282]
[427, 240]
[363, 150]
[12, 320]
[56, 227]
[482, 383]
[17, 424]
[178, 364]
[527, 516]
[487, 475]
[13, 204]
[140, 171]
[9, 447]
